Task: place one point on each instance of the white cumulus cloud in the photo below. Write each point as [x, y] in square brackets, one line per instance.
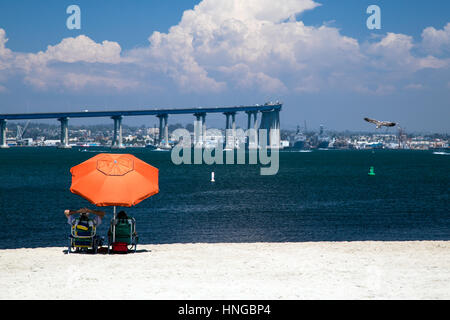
[235, 45]
[256, 42]
[436, 41]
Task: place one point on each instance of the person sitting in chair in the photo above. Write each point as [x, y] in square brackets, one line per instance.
[122, 215]
[83, 232]
[84, 215]
[122, 232]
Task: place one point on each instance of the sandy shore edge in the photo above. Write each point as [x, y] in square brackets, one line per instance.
[307, 270]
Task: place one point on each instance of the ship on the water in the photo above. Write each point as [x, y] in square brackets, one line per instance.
[323, 139]
[151, 146]
[299, 140]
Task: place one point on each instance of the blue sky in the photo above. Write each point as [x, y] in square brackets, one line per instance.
[331, 71]
[32, 25]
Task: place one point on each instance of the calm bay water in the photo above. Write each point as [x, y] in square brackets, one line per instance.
[316, 196]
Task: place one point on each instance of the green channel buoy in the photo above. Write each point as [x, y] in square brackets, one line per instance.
[371, 171]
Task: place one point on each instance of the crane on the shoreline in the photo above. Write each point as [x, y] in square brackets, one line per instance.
[21, 131]
[401, 137]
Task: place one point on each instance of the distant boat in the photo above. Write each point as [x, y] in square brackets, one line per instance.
[323, 144]
[375, 145]
[323, 139]
[150, 146]
[441, 153]
[299, 141]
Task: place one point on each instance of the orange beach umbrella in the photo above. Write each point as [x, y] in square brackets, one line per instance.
[114, 180]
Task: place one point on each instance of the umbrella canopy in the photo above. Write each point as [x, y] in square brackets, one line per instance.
[114, 180]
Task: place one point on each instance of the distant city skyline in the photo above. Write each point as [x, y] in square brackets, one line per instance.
[40, 134]
[317, 57]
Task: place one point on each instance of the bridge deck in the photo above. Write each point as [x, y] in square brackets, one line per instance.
[91, 114]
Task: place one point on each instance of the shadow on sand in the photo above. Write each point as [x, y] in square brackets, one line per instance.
[105, 252]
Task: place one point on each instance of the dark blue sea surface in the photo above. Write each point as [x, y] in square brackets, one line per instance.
[316, 196]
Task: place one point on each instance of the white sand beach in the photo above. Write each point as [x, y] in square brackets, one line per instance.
[310, 270]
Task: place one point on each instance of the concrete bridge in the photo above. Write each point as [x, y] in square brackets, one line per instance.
[269, 120]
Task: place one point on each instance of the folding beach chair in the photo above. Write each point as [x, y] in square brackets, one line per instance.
[83, 236]
[122, 237]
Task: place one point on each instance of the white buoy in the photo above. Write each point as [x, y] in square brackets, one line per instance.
[212, 177]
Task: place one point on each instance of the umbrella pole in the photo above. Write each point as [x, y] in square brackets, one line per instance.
[114, 225]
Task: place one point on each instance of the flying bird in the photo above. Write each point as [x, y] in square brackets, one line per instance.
[380, 124]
